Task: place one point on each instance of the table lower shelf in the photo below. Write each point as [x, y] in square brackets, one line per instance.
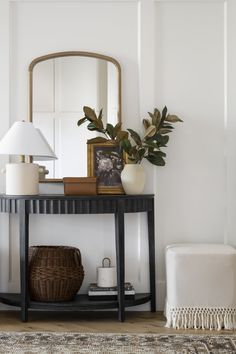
[80, 303]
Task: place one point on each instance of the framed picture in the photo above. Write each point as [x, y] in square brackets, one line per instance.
[106, 161]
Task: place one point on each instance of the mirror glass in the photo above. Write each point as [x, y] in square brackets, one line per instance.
[60, 85]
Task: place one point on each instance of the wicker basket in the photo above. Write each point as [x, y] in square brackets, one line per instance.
[55, 273]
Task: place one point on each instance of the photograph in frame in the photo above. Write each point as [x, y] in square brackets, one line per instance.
[106, 161]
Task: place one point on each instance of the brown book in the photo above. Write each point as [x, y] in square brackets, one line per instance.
[80, 185]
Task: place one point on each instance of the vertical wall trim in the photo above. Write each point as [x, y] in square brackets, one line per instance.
[55, 71]
[146, 77]
[5, 121]
[146, 54]
[5, 64]
[226, 120]
[146, 64]
[139, 17]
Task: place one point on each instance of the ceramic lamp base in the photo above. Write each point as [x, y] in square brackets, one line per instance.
[22, 179]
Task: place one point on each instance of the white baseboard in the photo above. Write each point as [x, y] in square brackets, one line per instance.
[160, 295]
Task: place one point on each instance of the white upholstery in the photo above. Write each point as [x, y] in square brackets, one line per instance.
[201, 286]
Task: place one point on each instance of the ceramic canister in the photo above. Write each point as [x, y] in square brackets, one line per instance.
[106, 276]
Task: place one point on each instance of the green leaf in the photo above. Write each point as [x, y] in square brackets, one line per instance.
[146, 123]
[98, 139]
[168, 126]
[141, 153]
[151, 115]
[135, 157]
[157, 113]
[156, 160]
[172, 118]
[90, 113]
[164, 112]
[133, 150]
[92, 127]
[110, 130]
[99, 124]
[81, 121]
[156, 117]
[159, 153]
[121, 135]
[162, 139]
[150, 143]
[126, 145]
[100, 114]
[151, 130]
[165, 131]
[117, 128]
[135, 136]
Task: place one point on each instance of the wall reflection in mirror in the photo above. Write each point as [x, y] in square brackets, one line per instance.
[59, 88]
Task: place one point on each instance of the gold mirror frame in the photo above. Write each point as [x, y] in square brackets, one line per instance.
[70, 54]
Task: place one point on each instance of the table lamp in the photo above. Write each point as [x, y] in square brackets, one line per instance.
[23, 139]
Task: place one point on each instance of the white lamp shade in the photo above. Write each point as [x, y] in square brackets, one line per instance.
[24, 139]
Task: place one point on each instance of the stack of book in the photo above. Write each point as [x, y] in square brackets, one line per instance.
[99, 293]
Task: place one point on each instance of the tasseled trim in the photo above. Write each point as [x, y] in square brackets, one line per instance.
[201, 317]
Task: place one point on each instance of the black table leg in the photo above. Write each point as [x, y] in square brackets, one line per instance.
[24, 243]
[120, 259]
[151, 243]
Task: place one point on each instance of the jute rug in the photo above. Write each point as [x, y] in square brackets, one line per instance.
[97, 343]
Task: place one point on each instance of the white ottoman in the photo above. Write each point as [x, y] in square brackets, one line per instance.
[201, 286]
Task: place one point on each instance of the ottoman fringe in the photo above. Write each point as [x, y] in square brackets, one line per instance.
[201, 317]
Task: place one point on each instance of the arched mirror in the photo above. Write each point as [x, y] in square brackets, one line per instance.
[60, 84]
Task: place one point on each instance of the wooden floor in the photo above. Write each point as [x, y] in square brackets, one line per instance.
[136, 322]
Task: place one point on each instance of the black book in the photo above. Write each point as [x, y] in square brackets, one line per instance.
[109, 297]
[94, 287]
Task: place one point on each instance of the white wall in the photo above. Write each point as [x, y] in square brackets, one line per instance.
[175, 53]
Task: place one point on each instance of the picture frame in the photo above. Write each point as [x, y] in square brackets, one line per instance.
[106, 161]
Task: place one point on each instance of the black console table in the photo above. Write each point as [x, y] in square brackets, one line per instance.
[101, 204]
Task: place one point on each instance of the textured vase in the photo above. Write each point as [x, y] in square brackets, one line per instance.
[133, 179]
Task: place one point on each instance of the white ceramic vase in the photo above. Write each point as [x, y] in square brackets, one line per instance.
[133, 178]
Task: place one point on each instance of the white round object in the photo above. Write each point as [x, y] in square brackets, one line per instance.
[106, 277]
[133, 178]
[22, 179]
